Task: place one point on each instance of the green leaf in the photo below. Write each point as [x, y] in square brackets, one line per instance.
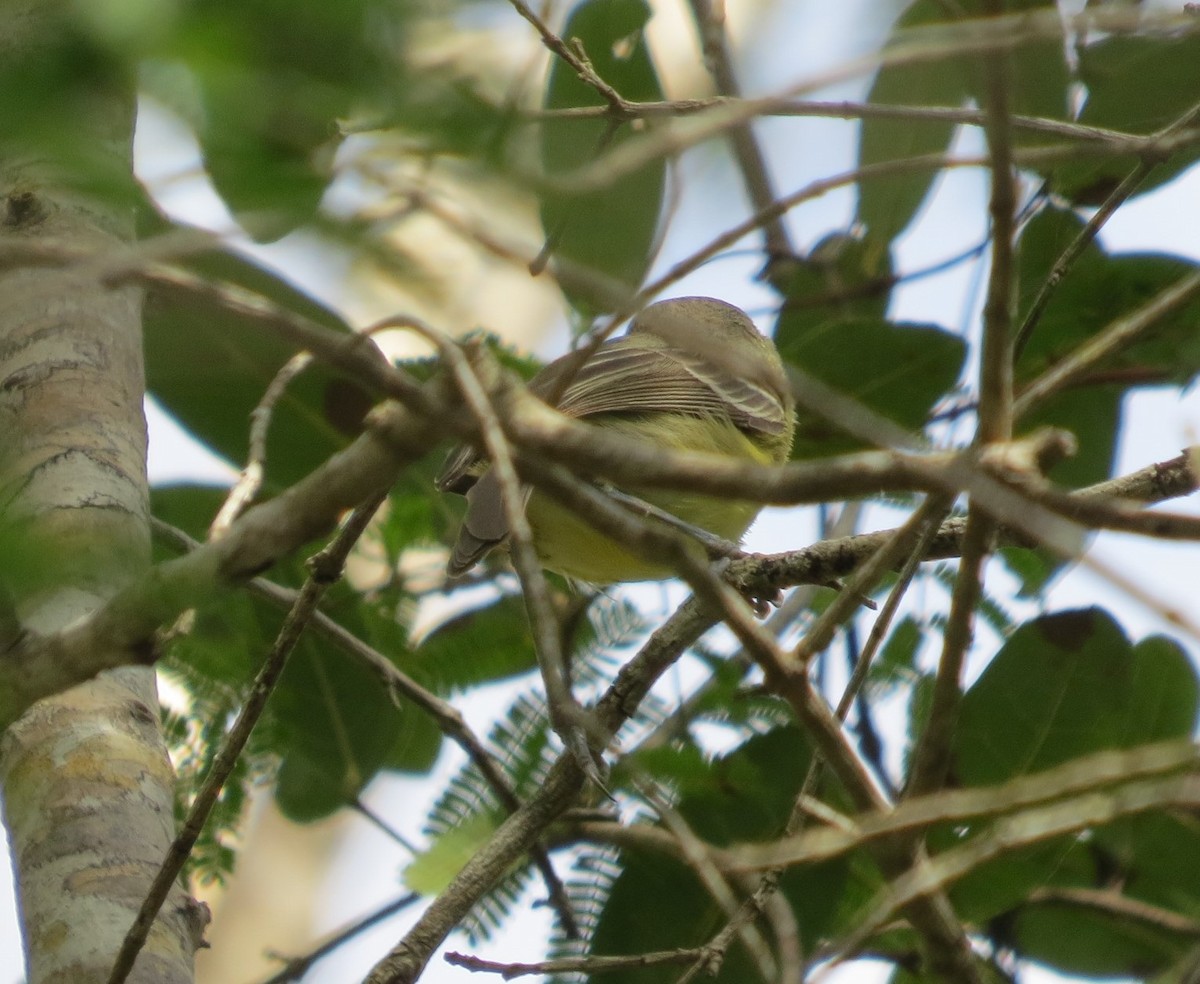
[1093, 943]
[1093, 415]
[1069, 684]
[745, 795]
[275, 77]
[484, 645]
[609, 232]
[1097, 290]
[434, 868]
[1038, 77]
[899, 370]
[843, 278]
[190, 508]
[338, 727]
[209, 367]
[887, 205]
[66, 99]
[897, 660]
[1136, 85]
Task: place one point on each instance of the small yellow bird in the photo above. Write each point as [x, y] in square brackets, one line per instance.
[692, 374]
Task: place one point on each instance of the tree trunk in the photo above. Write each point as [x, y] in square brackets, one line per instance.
[87, 783]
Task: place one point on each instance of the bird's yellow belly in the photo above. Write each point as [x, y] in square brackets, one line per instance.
[569, 546]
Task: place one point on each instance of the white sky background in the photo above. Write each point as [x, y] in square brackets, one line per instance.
[816, 35]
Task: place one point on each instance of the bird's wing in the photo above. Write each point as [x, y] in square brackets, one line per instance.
[641, 374]
[484, 526]
[638, 374]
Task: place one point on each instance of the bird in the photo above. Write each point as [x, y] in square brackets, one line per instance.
[691, 374]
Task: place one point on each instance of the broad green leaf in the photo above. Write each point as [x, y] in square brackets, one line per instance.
[338, 726]
[887, 205]
[992, 891]
[1158, 855]
[209, 367]
[1097, 290]
[1069, 684]
[1064, 685]
[898, 370]
[609, 232]
[1093, 415]
[1042, 242]
[1136, 85]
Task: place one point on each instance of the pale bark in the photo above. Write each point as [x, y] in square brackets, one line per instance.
[86, 780]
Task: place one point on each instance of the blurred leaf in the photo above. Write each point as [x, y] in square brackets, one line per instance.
[1093, 943]
[899, 370]
[190, 508]
[275, 77]
[897, 659]
[1038, 76]
[1062, 686]
[887, 205]
[67, 97]
[1098, 289]
[434, 868]
[992, 891]
[988, 974]
[609, 232]
[1033, 568]
[1136, 85]
[1093, 415]
[209, 367]
[228, 642]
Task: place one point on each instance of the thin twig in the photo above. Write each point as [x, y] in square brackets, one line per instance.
[325, 567]
[403, 965]
[697, 857]
[399, 684]
[580, 65]
[753, 164]
[1011, 833]
[931, 760]
[844, 109]
[245, 490]
[569, 965]
[569, 719]
[297, 967]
